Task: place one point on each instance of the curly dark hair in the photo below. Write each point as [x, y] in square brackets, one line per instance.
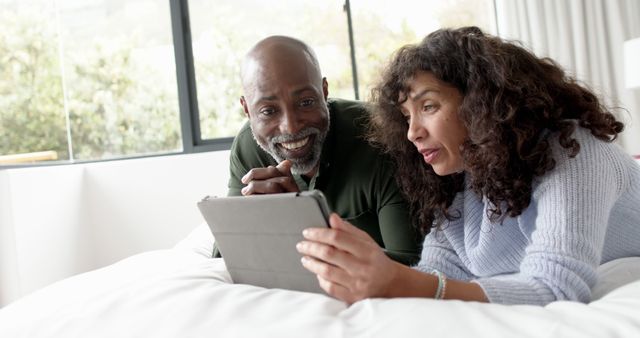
[512, 101]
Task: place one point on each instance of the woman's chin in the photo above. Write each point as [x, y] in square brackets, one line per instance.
[442, 170]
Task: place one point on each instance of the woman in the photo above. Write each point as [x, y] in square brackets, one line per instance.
[511, 162]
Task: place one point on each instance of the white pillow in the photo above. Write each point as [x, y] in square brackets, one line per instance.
[200, 240]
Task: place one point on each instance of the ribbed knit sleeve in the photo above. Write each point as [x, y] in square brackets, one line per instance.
[573, 204]
[438, 254]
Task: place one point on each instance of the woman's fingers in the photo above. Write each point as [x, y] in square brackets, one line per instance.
[328, 254]
[326, 271]
[337, 291]
[330, 241]
[337, 222]
[348, 263]
[343, 236]
[333, 280]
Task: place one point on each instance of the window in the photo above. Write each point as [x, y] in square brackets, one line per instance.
[32, 117]
[92, 80]
[222, 34]
[381, 27]
[87, 80]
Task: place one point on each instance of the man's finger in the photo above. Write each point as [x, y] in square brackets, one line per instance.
[284, 167]
[271, 186]
[261, 174]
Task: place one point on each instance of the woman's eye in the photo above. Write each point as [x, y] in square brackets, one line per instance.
[428, 107]
[407, 118]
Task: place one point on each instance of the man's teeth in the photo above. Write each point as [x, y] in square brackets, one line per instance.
[295, 145]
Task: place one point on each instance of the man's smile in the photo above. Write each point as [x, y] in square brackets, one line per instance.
[294, 145]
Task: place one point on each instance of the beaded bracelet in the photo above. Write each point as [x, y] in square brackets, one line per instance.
[442, 284]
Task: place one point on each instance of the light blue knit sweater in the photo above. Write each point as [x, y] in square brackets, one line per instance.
[584, 212]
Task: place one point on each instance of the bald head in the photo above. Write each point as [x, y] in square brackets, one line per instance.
[278, 53]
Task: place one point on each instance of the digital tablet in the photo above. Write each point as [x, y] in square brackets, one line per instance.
[257, 236]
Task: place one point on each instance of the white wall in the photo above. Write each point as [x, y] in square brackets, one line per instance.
[63, 220]
[45, 224]
[8, 268]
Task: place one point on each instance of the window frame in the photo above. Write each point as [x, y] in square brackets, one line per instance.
[192, 141]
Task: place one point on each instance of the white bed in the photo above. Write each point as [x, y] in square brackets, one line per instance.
[181, 293]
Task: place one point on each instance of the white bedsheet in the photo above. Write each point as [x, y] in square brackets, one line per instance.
[182, 293]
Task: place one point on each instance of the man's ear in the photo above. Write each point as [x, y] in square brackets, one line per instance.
[243, 102]
[325, 88]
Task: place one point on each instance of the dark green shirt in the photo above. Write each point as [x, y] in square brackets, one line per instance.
[356, 178]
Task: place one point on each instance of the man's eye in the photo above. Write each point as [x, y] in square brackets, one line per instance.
[267, 111]
[307, 102]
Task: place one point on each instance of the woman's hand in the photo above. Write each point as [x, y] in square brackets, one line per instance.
[349, 264]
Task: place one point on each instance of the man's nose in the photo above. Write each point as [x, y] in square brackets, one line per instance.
[290, 122]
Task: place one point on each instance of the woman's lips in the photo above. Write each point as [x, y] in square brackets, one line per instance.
[430, 155]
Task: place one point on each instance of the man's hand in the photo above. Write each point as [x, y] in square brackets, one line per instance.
[269, 180]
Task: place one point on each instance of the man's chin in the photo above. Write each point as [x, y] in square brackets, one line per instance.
[300, 165]
[295, 157]
[302, 168]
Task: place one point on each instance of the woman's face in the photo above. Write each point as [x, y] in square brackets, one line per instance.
[431, 110]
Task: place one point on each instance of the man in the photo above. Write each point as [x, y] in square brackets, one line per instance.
[296, 140]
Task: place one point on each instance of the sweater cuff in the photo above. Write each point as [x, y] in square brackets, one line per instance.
[513, 290]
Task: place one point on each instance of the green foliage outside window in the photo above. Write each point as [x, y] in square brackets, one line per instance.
[115, 104]
[31, 101]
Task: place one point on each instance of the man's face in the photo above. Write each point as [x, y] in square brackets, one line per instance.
[287, 109]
